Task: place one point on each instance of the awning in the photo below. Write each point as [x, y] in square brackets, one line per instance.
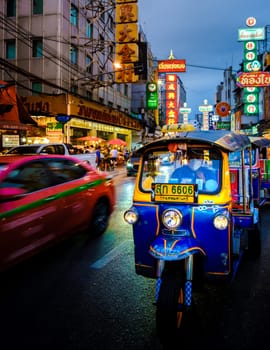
[13, 114]
[8, 124]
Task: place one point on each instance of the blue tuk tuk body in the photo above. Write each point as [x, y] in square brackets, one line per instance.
[184, 229]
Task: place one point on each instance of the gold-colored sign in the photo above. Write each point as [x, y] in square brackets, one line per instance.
[126, 13]
[126, 74]
[126, 33]
[126, 53]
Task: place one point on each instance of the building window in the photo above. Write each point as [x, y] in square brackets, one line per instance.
[102, 12]
[111, 23]
[88, 64]
[37, 7]
[111, 53]
[11, 49]
[89, 95]
[37, 47]
[11, 8]
[89, 29]
[36, 88]
[74, 15]
[73, 54]
[74, 89]
[126, 89]
[101, 44]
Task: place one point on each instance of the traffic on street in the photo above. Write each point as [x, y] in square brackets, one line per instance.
[84, 294]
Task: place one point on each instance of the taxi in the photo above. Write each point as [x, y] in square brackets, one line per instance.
[46, 198]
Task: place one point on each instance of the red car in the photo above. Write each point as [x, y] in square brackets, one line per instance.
[46, 198]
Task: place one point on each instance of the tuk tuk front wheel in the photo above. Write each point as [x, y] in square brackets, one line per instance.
[170, 305]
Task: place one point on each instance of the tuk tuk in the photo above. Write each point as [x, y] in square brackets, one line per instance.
[193, 217]
[260, 168]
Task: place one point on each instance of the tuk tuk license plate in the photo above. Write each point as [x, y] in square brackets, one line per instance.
[174, 192]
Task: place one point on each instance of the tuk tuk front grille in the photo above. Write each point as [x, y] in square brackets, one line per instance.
[181, 233]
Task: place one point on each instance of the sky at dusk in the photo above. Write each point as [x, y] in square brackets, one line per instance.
[205, 34]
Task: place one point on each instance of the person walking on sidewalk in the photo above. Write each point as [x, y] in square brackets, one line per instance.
[114, 156]
[98, 157]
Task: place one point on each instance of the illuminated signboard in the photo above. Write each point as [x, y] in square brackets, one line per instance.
[151, 95]
[126, 38]
[168, 66]
[253, 79]
[245, 34]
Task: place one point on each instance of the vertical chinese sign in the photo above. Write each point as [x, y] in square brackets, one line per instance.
[126, 38]
[172, 99]
[172, 105]
[251, 66]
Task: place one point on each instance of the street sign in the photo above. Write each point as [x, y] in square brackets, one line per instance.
[185, 110]
[207, 108]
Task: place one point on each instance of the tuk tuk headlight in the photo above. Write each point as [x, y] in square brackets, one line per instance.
[131, 216]
[221, 222]
[172, 218]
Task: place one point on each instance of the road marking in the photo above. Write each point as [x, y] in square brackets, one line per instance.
[111, 255]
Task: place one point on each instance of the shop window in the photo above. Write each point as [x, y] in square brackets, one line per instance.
[11, 8]
[37, 7]
[11, 49]
[74, 13]
[37, 48]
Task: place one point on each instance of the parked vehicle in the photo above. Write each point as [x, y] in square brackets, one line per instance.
[188, 224]
[258, 158]
[132, 166]
[52, 148]
[46, 198]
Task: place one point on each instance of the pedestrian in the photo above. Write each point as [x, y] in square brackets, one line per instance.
[114, 156]
[98, 157]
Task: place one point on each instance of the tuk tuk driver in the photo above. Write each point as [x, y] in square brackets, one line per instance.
[195, 172]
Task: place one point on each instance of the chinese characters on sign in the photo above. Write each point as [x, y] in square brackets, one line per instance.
[126, 37]
[168, 68]
[172, 101]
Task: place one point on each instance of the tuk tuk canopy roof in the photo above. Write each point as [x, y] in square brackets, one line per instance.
[259, 141]
[226, 140]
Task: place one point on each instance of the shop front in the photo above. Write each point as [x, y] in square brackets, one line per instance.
[14, 119]
[79, 118]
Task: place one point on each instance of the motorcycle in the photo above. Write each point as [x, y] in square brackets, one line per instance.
[188, 228]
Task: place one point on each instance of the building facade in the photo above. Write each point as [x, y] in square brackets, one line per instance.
[60, 56]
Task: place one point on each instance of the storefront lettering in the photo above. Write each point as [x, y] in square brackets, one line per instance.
[37, 107]
[107, 117]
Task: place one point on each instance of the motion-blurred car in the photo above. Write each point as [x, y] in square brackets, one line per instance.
[45, 198]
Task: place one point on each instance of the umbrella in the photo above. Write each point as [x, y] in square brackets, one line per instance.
[90, 138]
[117, 142]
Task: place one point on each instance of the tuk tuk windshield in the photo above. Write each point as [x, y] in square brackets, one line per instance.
[185, 165]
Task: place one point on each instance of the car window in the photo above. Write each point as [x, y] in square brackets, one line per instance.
[23, 150]
[32, 176]
[64, 170]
